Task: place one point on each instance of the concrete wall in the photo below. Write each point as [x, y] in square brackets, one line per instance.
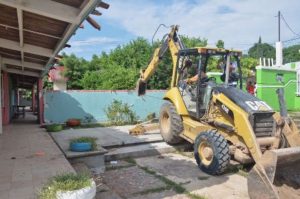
[62, 105]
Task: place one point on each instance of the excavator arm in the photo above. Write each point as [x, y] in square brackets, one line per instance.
[172, 42]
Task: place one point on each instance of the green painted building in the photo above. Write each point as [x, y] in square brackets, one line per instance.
[268, 79]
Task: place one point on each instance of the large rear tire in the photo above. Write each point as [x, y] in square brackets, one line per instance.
[211, 152]
[170, 124]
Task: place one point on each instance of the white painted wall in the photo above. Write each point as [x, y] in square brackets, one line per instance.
[59, 85]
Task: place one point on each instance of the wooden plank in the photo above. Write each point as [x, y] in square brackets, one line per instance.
[8, 15]
[42, 24]
[9, 34]
[8, 44]
[73, 3]
[13, 62]
[40, 40]
[37, 57]
[48, 8]
[16, 71]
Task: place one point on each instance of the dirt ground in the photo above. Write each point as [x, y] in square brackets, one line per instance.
[168, 176]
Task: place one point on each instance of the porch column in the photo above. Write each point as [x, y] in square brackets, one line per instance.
[33, 98]
[5, 98]
[40, 100]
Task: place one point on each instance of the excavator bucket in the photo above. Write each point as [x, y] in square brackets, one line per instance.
[141, 87]
[276, 175]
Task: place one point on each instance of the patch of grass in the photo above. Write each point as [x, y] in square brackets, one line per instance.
[110, 168]
[203, 177]
[119, 113]
[238, 169]
[91, 140]
[130, 160]
[147, 170]
[243, 173]
[64, 182]
[178, 188]
[195, 196]
[154, 190]
[93, 125]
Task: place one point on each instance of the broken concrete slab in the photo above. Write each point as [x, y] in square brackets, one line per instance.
[183, 170]
[117, 164]
[94, 162]
[128, 182]
[139, 151]
[167, 194]
[107, 137]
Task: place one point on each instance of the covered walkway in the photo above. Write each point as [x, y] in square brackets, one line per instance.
[32, 33]
[28, 158]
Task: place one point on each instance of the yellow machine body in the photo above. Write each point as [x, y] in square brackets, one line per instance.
[224, 116]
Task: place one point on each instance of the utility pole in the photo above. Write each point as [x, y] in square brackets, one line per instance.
[279, 25]
[279, 45]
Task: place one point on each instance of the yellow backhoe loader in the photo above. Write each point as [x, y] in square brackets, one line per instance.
[223, 121]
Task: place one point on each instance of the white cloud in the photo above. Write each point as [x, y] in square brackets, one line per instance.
[241, 24]
[94, 41]
[90, 46]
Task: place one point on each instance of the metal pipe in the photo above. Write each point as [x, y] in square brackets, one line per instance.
[227, 69]
[264, 141]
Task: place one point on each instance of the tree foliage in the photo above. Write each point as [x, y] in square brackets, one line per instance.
[291, 54]
[114, 78]
[260, 49]
[220, 44]
[119, 69]
[248, 65]
[75, 69]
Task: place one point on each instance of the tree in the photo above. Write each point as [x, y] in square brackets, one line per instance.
[248, 64]
[74, 70]
[261, 50]
[259, 40]
[220, 44]
[120, 68]
[291, 54]
[113, 78]
[190, 42]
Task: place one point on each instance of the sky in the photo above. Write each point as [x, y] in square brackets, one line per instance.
[239, 23]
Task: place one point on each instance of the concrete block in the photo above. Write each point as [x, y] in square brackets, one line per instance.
[139, 151]
[95, 162]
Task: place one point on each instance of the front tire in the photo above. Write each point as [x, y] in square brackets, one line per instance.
[211, 152]
[170, 124]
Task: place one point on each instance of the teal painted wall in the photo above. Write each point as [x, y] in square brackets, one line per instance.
[62, 105]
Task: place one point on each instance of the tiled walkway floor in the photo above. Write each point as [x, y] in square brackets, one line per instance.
[28, 157]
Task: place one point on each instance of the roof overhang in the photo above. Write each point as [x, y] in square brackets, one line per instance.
[32, 32]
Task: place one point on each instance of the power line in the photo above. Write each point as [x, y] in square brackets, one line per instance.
[289, 40]
[288, 26]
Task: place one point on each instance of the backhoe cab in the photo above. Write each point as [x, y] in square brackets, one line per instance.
[222, 121]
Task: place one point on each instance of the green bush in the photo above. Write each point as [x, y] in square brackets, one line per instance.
[119, 113]
[54, 127]
[91, 140]
[64, 182]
